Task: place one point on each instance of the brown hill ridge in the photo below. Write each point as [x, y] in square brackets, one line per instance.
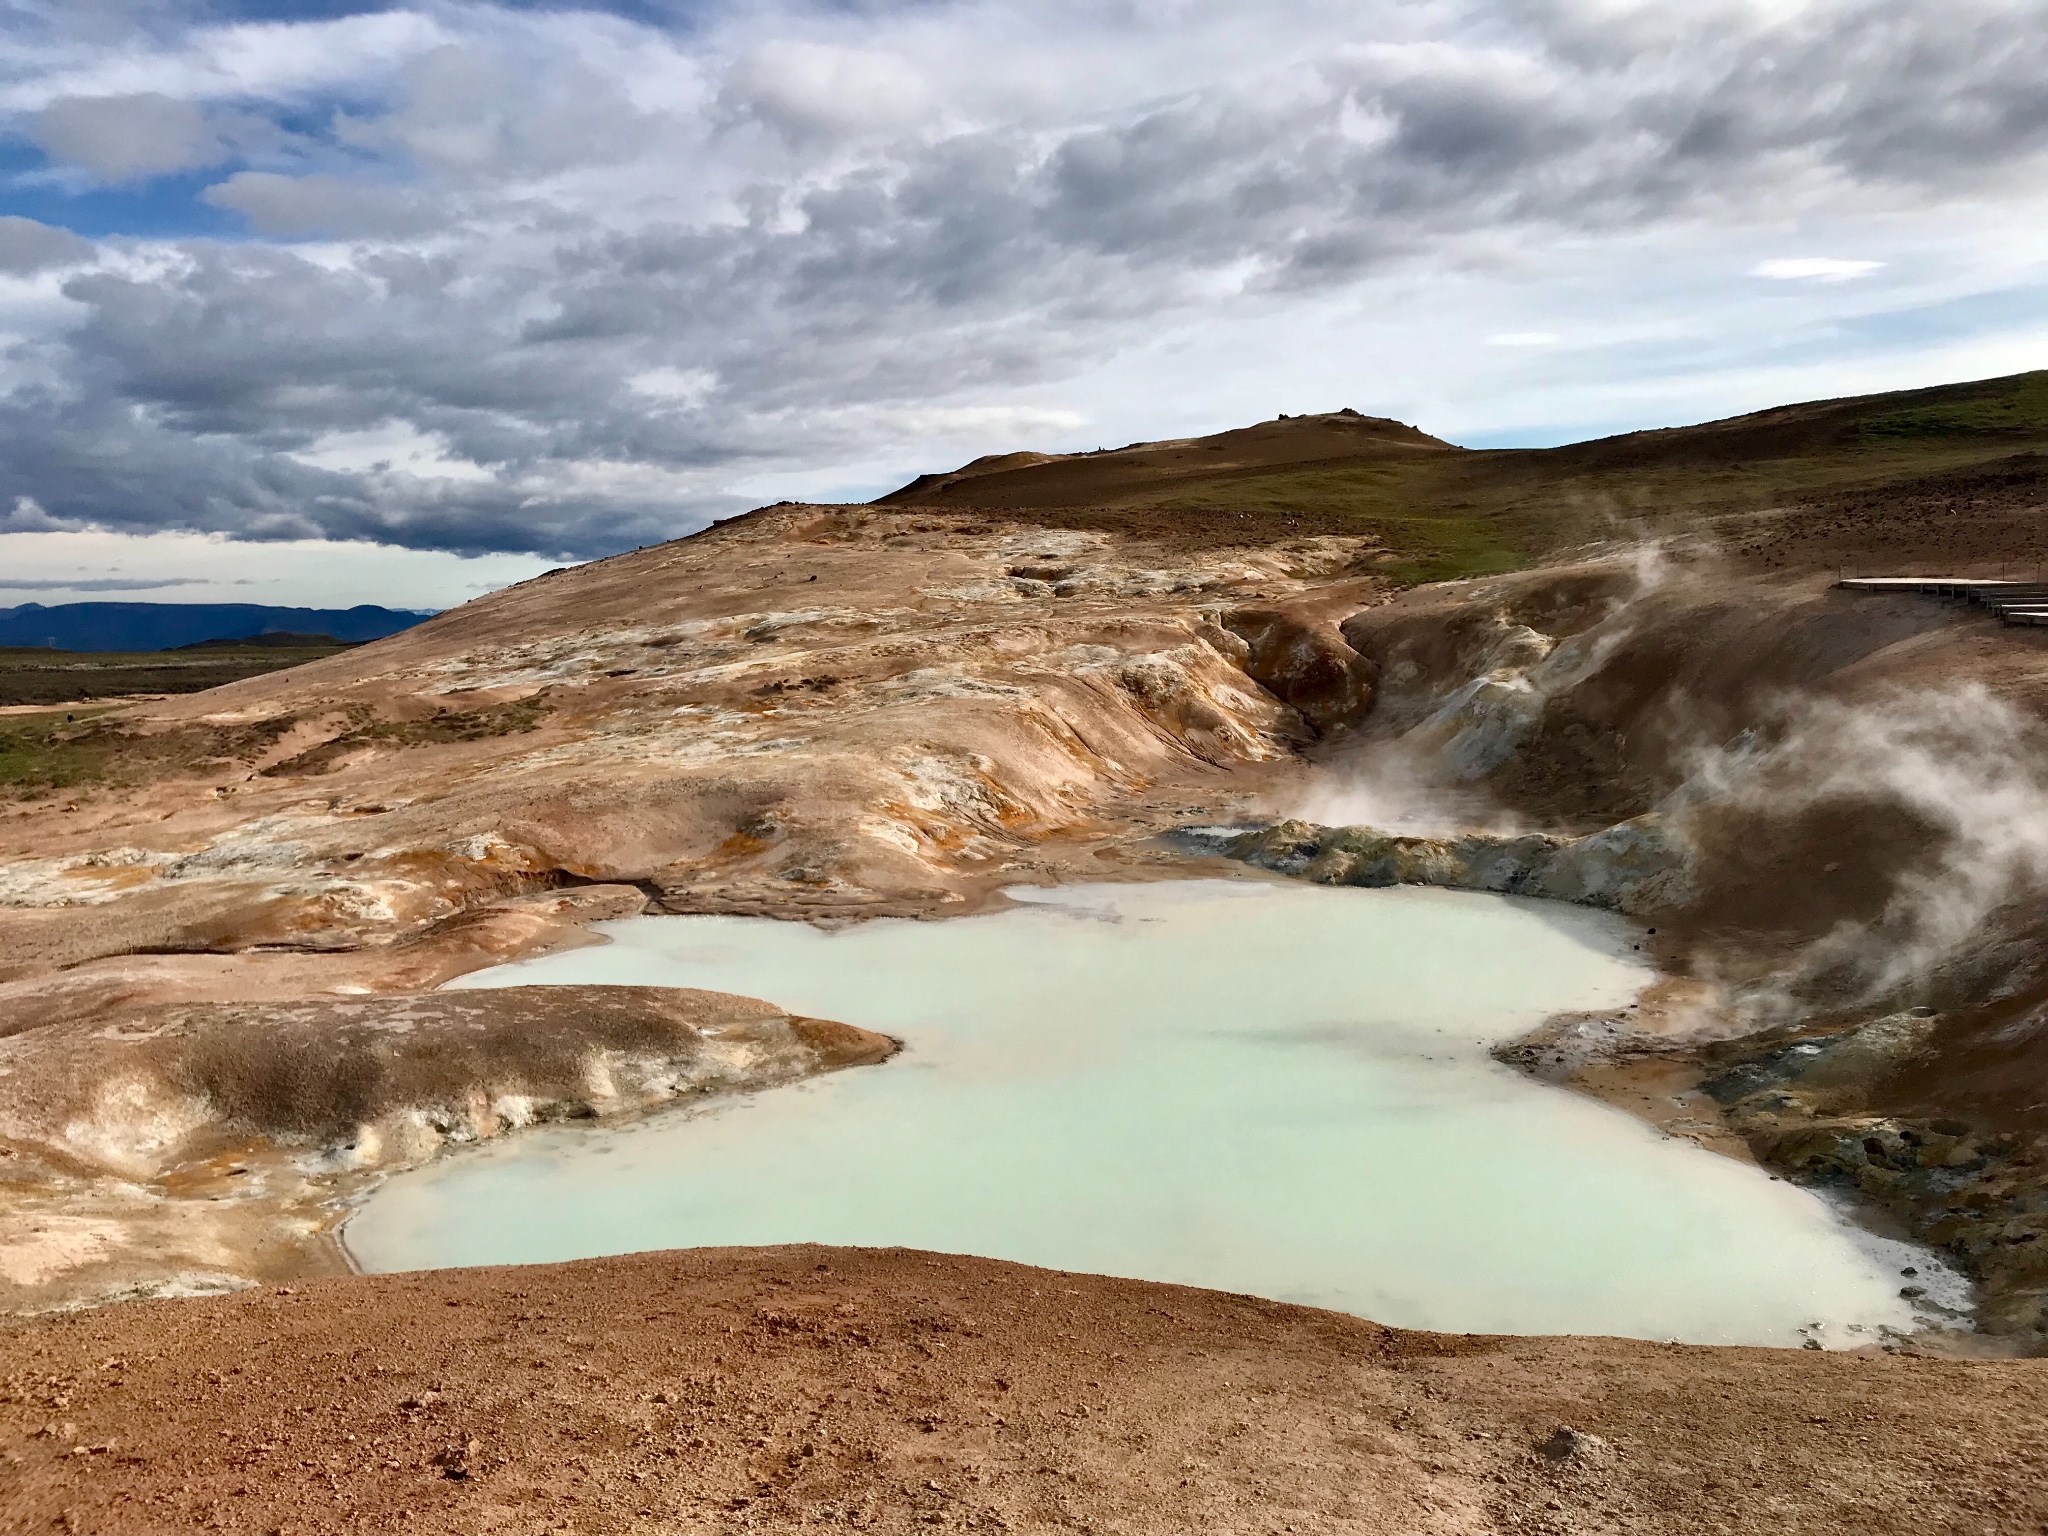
[1945, 474]
[1147, 469]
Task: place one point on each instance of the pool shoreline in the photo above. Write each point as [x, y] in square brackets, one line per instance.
[1925, 1328]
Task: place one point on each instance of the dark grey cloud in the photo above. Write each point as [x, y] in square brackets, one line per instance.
[585, 275]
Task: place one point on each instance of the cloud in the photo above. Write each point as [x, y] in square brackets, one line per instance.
[607, 268]
[1001, 421]
[391, 447]
[820, 92]
[1822, 269]
[322, 204]
[213, 568]
[29, 516]
[128, 138]
[184, 49]
[27, 247]
[98, 584]
[684, 388]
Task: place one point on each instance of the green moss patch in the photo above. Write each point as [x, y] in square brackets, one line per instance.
[42, 754]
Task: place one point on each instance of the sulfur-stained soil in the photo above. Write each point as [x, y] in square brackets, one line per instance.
[810, 1388]
[194, 1147]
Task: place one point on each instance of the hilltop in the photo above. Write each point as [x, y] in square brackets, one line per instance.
[1948, 474]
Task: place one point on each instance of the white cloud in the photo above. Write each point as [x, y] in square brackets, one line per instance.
[272, 60]
[999, 421]
[391, 447]
[1525, 339]
[1813, 269]
[30, 516]
[682, 388]
[813, 90]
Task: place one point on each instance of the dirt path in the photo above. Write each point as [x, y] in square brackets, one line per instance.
[776, 1389]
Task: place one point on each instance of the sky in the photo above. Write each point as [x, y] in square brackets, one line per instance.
[331, 302]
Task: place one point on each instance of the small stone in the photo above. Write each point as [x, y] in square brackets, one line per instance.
[1567, 1444]
[1912, 1292]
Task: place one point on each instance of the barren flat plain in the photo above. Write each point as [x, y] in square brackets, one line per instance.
[1328, 649]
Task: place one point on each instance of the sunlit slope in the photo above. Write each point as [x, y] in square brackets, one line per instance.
[1954, 474]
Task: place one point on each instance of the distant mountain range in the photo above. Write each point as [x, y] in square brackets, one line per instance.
[161, 626]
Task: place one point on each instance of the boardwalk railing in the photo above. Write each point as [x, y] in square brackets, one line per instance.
[2015, 602]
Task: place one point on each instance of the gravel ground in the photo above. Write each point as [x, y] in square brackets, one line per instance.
[774, 1389]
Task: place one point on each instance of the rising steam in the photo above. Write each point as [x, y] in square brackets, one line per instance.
[1937, 799]
[1961, 768]
[1429, 779]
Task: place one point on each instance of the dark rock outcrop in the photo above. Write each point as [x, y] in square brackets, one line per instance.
[1306, 664]
[1637, 866]
[383, 1081]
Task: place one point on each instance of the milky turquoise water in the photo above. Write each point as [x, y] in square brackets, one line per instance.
[1274, 1089]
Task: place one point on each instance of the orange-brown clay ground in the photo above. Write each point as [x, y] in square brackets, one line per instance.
[728, 1390]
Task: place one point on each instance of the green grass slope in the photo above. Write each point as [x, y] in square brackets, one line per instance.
[1956, 475]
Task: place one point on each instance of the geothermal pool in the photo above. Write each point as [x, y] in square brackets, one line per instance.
[1274, 1089]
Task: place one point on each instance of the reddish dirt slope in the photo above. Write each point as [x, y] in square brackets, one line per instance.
[778, 1389]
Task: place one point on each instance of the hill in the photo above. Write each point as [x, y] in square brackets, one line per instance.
[165, 626]
[1954, 474]
[1145, 470]
[277, 639]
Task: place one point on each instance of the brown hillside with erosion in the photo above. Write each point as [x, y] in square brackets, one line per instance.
[224, 918]
[826, 712]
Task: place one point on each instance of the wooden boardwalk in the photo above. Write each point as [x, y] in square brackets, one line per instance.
[2015, 602]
